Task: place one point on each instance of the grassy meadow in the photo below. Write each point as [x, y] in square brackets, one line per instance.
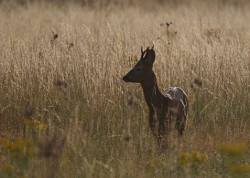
[65, 111]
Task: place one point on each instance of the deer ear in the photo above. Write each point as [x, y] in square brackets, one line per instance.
[150, 57]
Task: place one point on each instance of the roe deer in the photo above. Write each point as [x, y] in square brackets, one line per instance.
[163, 108]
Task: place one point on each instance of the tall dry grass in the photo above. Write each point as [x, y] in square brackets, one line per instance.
[97, 124]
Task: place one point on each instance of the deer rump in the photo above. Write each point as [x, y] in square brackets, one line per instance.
[173, 112]
[177, 109]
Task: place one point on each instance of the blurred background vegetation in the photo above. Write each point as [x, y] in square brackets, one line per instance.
[141, 3]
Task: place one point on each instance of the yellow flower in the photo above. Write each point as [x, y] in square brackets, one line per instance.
[239, 169]
[19, 148]
[6, 168]
[14, 147]
[36, 124]
[32, 122]
[203, 157]
[183, 159]
[4, 140]
[197, 157]
[236, 149]
[41, 127]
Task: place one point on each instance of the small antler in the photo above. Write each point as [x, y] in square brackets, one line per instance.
[142, 53]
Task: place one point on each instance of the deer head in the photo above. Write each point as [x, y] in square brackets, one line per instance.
[143, 69]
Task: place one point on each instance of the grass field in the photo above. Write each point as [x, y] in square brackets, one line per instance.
[65, 111]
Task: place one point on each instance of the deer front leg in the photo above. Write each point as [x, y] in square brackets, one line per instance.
[163, 130]
[155, 128]
[152, 125]
[181, 124]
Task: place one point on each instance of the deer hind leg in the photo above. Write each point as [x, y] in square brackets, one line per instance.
[180, 127]
[158, 135]
[163, 141]
[181, 124]
[163, 130]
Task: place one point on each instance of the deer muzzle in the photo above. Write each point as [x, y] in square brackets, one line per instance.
[126, 79]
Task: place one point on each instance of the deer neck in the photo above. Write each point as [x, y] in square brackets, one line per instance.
[152, 93]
